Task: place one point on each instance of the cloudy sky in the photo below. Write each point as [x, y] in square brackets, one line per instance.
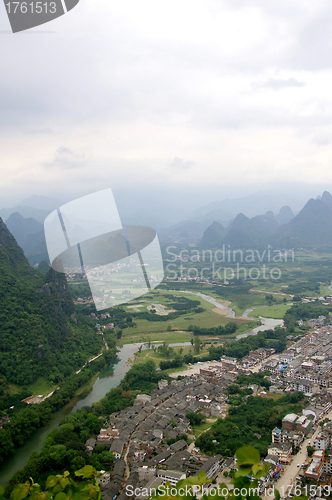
[180, 94]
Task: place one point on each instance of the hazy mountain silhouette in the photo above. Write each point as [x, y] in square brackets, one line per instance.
[310, 228]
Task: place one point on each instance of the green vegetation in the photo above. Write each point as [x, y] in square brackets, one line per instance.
[138, 323]
[276, 312]
[227, 330]
[239, 348]
[305, 312]
[41, 386]
[195, 418]
[250, 423]
[41, 335]
[63, 487]
[27, 418]
[64, 448]
[85, 486]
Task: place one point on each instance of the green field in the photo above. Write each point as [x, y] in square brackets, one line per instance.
[199, 429]
[175, 330]
[308, 275]
[142, 357]
[41, 387]
[276, 312]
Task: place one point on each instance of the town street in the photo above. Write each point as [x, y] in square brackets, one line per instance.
[291, 470]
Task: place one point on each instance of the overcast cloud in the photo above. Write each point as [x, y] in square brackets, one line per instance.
[185, 93]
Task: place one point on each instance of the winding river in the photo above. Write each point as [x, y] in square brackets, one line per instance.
[108, 379]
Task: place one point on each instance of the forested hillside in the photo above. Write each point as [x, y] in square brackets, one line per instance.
[40, 334]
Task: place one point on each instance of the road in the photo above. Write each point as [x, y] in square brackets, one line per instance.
[291, 470]
[95, 357]
[211, 300]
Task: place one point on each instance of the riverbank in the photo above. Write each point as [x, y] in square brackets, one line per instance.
[94, 390]
[90, 392]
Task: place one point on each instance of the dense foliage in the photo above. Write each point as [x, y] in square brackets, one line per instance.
[275, 339]
[303, 287]
[62, 486]
[228, 329]
[249, 423]
[64, 448]
[85, 486]
[41, 336]
[31, 417]
[305, 312]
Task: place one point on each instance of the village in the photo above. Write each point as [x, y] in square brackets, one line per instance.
[137, 436]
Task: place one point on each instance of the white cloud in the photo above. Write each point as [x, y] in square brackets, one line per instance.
[227, 88]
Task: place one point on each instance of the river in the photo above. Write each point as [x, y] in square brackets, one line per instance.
[108, 379]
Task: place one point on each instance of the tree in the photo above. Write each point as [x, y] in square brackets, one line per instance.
[198, 345]
[310, 450]
[195, 418]
[62, 487]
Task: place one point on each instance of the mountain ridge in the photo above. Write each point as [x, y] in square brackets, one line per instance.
[310, 228]
[40, 335]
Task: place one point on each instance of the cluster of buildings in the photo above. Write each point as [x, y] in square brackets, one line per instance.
[149, 440]
[305, 366]
[314, 322]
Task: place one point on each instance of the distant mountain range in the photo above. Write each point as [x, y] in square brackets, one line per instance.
[212, 225]
[224, 212]
[310, 228]
[25, 221]
[30, 236]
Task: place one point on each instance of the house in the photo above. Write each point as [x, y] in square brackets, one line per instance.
[272, 459]
[162, 384]
[179, 446]
[171, 476]
[149, 489]
[288, 421]
[211, 467]
[159, 459]
[322, 441]
[119, 470]
[104, 479]
[117, 448]
[89, 445]
[143, 398]
[283, 436]
[282, 450]
[106, 435]
[216, 410]
[146, 473]
[315, 468]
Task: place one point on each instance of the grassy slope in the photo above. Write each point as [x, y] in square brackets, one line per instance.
[277, 311]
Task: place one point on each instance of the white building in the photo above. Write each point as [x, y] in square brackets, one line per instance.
[171, 476]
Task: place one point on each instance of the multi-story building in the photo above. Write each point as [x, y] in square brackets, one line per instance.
[282, 450]
[322, 441]
[170, 475]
